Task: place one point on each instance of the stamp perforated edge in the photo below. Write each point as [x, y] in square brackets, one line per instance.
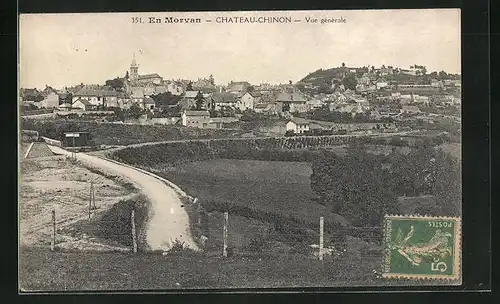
[457, 249]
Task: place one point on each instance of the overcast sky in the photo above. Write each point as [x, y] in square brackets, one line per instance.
[68, 49]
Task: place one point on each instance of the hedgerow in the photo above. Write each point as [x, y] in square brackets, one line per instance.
[271, 149]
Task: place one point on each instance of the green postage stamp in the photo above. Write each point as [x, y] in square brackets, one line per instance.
[422, 247]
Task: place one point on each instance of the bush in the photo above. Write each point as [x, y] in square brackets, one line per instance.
[397, 141]
[177, 246]
[289, 133]
[115, 223]
[257, 243]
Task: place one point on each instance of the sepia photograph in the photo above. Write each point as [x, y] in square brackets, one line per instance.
[239, 150]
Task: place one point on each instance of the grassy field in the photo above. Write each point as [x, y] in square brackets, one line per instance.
[65, 271]
[271, 206]
[42, 270]
[271, 186]
[454, 149]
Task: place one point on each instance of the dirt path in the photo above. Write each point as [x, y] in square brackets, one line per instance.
[168, 220]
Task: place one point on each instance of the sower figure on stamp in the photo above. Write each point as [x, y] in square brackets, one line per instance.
[437, 247]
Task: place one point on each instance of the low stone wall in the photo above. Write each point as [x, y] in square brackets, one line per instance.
[52, 142]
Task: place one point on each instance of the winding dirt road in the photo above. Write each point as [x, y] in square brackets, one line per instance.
[168, 221]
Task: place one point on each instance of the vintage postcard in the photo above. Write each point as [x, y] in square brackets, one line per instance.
[239, 150]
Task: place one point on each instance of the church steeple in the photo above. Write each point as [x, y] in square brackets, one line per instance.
[134, 63]
[134, 69]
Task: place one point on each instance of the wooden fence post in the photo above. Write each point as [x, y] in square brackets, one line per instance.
[90, 200]
[198, 210]
[321, 226]
[53, 240]
[93, 194]
[28, 151]
[134, 237]
[224, 249]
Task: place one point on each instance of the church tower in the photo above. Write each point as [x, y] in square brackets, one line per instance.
[134, 70]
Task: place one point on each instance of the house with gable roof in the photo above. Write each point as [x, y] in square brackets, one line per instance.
[48, 90]
[196, 119]
[248, 101]
[188, 101]
[224, 99]
[96, 97]
[65, 107]
[150, 78]
[83, 105]
[267, 108]
[137, 95]
[295, 102]
[51, 100]
[148, 104]
[176, 88]
[297, 125]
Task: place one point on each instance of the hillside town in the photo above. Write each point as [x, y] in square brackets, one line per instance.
[322, 152]
[342, 98]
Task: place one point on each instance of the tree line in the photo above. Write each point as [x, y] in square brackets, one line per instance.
[363, 187]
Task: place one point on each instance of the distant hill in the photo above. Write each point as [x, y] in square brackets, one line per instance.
[321, 76]
[325, 77]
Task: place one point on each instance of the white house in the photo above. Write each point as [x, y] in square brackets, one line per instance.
[224, 99]
[82, 104]
[65, 107]
[314, 104]
[137, 95]
[96, 96]
[295, 101]
[175, 88]
[51, 101]
[197, 119]
[268, 108]
[148, 103]
[247, 101]
[149, 89]
[189, 100]
[124, 103]
[297, 125]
